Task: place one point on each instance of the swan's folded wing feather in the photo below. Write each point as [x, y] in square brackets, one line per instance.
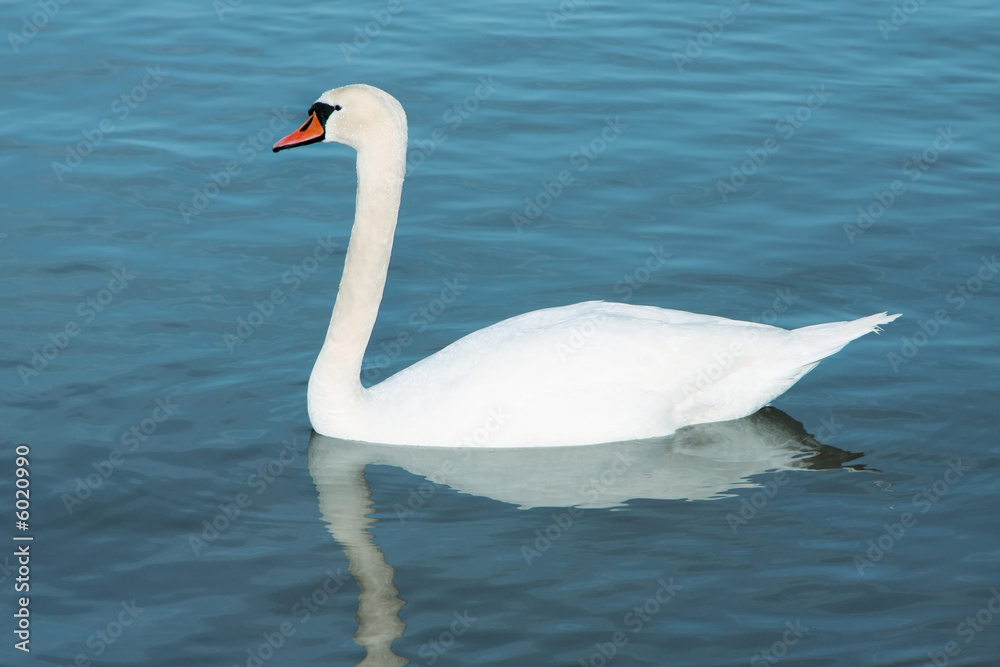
[584, 371]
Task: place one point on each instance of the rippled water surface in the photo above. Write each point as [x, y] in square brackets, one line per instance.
[167, 283]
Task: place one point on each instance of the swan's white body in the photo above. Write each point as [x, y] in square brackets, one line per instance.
[587, 373]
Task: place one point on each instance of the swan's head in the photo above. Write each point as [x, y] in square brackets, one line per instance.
[359, 116]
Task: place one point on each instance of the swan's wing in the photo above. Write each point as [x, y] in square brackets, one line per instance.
[582, 373]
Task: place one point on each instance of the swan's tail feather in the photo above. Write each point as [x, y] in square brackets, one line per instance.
[819, 341]
[754, 385]
[810, 345]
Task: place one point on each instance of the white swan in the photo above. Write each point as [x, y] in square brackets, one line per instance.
[582, 374]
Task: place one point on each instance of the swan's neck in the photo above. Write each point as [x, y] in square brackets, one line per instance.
[381, 167]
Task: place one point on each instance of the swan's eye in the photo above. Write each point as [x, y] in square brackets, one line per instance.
[323, 111]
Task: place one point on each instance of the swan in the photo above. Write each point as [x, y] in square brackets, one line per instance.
[588, 373]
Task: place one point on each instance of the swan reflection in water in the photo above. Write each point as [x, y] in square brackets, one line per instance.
[703, 462]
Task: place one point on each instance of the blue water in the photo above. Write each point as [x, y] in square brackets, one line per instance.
[554, 148]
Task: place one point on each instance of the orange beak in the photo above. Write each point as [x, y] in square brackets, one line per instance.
[310, 132]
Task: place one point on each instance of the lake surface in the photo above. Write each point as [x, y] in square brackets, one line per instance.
[168, 281]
